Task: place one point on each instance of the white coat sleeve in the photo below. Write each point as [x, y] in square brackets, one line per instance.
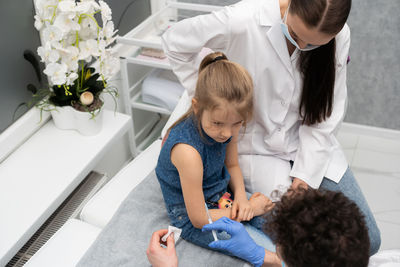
[316, 142]
[183, 42]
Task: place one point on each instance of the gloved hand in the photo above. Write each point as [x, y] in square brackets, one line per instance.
[240, 244]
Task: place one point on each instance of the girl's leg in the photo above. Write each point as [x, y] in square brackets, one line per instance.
[259, 237]
[202, 239]
[349, 187]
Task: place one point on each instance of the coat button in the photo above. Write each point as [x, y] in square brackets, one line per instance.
[283, 102]
[279, 129]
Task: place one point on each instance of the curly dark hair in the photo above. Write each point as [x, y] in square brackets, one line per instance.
[319, 228]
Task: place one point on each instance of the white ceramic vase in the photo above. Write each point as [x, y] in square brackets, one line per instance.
[68, 118]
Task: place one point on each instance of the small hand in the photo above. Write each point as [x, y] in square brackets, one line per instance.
[240, 244]
[298, 183]
[260, 203]
[242, 210]
[159, 256]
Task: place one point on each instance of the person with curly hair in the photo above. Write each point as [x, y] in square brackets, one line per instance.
[319, 228]
[309, 227]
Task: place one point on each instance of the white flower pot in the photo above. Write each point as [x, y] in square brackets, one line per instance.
[68, 118]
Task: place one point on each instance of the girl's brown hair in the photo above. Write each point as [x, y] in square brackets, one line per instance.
[221, 79]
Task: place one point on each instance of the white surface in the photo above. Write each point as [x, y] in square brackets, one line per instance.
[39, 175]
[21, 130]
[162, 88]
[85, 123]
[67, 246]
[99, 210]
[386, 258]
[180, 109]
[375, 158]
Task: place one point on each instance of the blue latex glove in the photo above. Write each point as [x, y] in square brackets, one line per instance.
[240, 244]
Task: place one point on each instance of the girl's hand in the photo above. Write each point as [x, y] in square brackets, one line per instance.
[242, 210]
[260, 204]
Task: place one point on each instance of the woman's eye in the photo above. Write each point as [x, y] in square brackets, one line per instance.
[217, 123]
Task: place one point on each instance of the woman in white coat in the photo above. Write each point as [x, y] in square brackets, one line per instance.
[296, 52]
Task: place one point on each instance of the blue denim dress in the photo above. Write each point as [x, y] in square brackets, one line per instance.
[215, 179]
[215, 175]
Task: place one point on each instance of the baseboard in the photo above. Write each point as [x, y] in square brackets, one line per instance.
[360, 129]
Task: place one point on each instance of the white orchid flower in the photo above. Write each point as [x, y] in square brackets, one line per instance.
[67, 6]
[66, 23]
[71, 78]
[71, 34]
[69, 39]
[45, 8]
[105, 11]
[109, 66]
[88, 29]
[87, 49]
[38, 22]
[95, 5]
[102, 47]
[71, 58]
[108, 33]
[108, 29]
[52, 34]
[47, 54]
[56, 72]
[59, 46]
[86, 7]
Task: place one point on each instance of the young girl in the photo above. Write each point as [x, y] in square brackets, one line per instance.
[198, 160]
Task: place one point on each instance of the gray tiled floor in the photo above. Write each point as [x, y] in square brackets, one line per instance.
[375, 162]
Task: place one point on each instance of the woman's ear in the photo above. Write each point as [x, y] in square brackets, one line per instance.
[195, 105]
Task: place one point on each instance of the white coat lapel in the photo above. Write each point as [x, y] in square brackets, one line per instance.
[270, 17]
[278, 41]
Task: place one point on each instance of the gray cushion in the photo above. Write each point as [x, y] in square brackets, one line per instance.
[124, 240]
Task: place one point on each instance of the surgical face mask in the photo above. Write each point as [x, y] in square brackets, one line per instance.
[285, 31]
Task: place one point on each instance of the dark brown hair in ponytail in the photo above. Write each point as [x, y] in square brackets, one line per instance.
[318, 66]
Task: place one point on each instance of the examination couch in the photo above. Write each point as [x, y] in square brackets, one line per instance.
[71, 243]
[76, 237]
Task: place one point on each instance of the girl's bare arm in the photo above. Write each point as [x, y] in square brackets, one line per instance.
[232, 164]
[241, 210]
[188, 162]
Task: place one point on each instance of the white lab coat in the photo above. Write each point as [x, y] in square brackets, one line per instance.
[249, 33]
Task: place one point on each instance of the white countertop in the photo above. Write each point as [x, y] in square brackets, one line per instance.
[37, 177]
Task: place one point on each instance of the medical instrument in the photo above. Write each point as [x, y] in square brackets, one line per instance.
[210, 221]
[171, 229]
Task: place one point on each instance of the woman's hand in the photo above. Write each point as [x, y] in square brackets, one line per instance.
[242, 209]
[159, 256]
[240, 244]
[260, 204]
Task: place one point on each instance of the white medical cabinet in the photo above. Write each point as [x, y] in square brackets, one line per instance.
[145, 65]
